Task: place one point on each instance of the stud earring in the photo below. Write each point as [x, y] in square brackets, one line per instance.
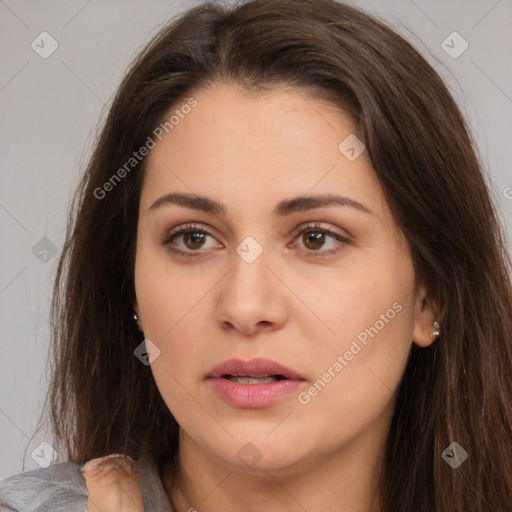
[137, 319]
[436, 332]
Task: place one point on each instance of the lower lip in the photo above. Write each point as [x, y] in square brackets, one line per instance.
[253, 396]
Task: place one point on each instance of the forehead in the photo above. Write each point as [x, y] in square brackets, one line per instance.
[249, 149]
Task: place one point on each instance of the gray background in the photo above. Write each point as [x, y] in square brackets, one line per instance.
[50, 110]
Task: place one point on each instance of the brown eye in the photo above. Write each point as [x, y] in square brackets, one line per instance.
[314, 237]
[194, 239]
[188, 240]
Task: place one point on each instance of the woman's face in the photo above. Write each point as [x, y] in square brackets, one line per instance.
[241, 297]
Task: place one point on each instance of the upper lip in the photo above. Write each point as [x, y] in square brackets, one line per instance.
[252, 368]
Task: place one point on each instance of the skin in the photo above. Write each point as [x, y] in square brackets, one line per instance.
[249, 152]
[112, 484]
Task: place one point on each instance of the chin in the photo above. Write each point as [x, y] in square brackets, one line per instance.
[255, 454]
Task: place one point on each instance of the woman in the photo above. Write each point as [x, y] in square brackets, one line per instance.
[284, 286]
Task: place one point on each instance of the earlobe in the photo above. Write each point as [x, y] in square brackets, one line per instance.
[136, 315]
[427, 326]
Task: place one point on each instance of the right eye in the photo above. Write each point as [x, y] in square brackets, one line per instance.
[193, 239]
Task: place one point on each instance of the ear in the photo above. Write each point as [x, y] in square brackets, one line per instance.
[424, 318]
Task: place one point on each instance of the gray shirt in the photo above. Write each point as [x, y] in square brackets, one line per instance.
[61, 488]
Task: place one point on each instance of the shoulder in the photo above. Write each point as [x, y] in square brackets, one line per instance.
[106, 484]
[113, 484]
[57, 488]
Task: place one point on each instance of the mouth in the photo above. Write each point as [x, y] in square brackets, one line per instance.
[253, 379]
[254, 369]
[256, 383]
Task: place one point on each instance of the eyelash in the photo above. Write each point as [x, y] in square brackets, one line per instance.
[313, 228]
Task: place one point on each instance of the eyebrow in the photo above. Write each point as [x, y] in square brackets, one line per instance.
[282, 209]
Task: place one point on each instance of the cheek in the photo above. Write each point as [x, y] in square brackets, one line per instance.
[361, 366]
[373, 300]
[172, 311]
[171, 307]
[167, 294]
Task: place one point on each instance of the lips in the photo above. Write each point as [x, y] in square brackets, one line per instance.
[256, 368]
[253, 384]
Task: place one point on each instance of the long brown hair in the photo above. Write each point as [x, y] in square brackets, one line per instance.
[103, 400]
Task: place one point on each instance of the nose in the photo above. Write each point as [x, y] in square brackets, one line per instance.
[252, 297]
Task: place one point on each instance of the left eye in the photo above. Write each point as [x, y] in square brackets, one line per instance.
[314, 238]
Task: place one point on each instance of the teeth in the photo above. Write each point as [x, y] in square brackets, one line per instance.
[252, 380]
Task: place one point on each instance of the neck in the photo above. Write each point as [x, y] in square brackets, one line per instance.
[341, 479]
